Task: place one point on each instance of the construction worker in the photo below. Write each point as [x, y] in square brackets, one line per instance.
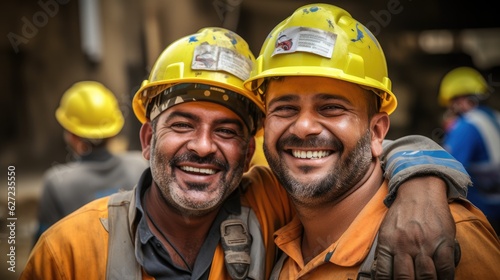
[328, 99]
[474, 137]
[195, 213]
[90, 116]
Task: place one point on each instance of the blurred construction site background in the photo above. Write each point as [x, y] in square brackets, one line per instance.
[48, 45]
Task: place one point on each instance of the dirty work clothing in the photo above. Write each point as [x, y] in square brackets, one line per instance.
[480, 246]
[416, 155]
[80, 241]
[76, 247]
[474, 140]
[69, 186]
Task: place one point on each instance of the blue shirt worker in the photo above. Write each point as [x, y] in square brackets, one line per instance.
[474, 137]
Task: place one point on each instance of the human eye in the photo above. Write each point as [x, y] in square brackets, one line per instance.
[226, 132]
[332, 109]
[181, 126]
[284, 110]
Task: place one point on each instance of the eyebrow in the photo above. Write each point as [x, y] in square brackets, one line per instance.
[329, 96]
[196, 118]
[318, 96]
[284, 98]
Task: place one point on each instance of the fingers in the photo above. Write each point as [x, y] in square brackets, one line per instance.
[382, 266]
[420, 267]
[445, 260]
[403, 267]
[424, 268]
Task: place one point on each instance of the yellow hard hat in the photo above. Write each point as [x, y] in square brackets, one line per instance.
[89, 110]
[210, 65]
[324, 40]
[462, 81]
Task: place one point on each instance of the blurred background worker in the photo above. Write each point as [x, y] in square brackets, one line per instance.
[473, 137]
[90, 116]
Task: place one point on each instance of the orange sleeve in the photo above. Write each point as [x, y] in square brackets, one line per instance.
[72, 248]
[479, 244]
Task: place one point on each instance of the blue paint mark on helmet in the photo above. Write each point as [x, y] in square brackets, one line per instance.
[193, 39]
[359, 34]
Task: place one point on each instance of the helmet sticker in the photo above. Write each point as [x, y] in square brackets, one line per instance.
[305, 39]
[216, 58]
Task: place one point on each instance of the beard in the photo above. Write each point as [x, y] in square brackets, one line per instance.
[344, 176]
[172, 193]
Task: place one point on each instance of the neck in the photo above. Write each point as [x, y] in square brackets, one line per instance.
[181, 235]
[325, 224]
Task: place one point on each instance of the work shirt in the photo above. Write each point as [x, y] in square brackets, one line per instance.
[69, 186]
[474, 140]
[479, 245]
[76, 247]
[154, 258]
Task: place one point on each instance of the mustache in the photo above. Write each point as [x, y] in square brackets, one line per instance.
[192, 157]
[310, 141]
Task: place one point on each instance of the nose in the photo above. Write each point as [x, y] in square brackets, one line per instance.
[202, 144]
[306, 124]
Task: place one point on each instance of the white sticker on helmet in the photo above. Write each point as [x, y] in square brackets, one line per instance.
[215, 58]
[305, 39]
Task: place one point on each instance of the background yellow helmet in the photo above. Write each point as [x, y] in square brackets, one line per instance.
[213, 56]
[462, 81]
[89, 110]
[324, 40]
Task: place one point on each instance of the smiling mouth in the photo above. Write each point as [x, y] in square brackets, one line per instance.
[207, 171]
[310, 154]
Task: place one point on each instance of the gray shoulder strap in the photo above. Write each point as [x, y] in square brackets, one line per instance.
[121, 253]
[244, 252]
[365, 270]
[278, 266]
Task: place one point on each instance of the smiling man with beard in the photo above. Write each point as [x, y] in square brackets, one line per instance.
[192, 178]
[328, 101]
[195, 213]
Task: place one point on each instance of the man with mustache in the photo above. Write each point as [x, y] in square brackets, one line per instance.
[328, 101]
[196, 214]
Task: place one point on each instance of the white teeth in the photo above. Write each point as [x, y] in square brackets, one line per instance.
[310, 154]
[198, 170]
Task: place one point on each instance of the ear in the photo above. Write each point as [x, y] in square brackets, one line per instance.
[379, 125]
[69, 138]
[146, 135]
[75, 143]
[250, 152]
